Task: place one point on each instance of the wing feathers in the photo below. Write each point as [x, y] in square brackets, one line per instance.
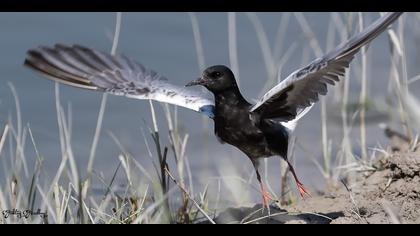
[302, 88]
[82, 67]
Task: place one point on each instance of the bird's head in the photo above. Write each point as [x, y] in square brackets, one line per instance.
[216, 79]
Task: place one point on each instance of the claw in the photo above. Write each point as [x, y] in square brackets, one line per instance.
[265, 197]
[302, 191]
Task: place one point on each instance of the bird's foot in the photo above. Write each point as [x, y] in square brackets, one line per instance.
[266, 199]
[302, 191]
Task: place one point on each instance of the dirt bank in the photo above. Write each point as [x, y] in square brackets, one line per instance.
[388, 194]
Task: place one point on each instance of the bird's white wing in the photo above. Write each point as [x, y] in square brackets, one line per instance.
[86, 68]
[300, 90]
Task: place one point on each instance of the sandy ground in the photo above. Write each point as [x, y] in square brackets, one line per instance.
[388, 194]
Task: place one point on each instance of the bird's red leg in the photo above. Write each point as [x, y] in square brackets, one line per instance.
[264, 194]
[299, 185]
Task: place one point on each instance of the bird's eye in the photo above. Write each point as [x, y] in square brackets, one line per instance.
[217, 74]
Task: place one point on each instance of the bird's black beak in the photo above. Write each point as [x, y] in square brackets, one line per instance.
[199, 81]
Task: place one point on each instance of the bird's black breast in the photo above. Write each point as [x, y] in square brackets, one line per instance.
[256, 141]
[233, 125]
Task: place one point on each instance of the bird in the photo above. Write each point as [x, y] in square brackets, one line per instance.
[259, 130]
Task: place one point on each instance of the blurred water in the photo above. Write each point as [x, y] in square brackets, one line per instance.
[164, 42]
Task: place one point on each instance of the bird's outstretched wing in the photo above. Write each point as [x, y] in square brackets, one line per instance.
[292, 97]
[86, 68]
